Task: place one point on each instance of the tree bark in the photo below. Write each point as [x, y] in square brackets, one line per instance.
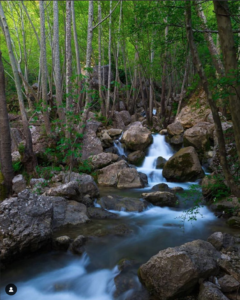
[100, 59]
[219, 132]
[229, 52]
[44, 69]
[109, 61]
[29, 158]
[5, 135]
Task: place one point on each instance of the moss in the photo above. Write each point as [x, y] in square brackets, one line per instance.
[3, 190]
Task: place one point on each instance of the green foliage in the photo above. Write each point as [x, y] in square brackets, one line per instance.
[174, 108]
[17, 166]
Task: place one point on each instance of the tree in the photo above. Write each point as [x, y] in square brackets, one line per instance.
[109, 61]
[44, 69]
[5, 136]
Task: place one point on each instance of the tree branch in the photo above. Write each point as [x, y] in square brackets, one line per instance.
[106, 16]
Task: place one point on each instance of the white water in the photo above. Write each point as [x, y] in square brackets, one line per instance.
[119, 146]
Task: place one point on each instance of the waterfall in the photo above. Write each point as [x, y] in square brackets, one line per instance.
[119, 146]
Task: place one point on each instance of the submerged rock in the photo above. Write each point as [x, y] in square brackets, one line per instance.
[137, 137]
[183, 166]
[77, 246]
[175, 272]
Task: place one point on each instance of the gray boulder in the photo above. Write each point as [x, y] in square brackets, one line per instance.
[160, 162]
[102, 160]
[221, 240]
[108, 176]
[175, 129]
[122, 203]
[137, 137]
[19, 183]
[126, 117]
[129, 178]
[99, 213]
[209, 291]
[114, 132]
[161, 198]
[228, 284]
[77, 246]
[183, 166]
[62, 243]
[175, 272]
[91, 144]
[118, 121]
[136, 157]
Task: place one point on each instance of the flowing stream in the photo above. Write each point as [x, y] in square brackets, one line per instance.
[95, 275]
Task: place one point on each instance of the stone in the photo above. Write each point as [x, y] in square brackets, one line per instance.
[62, 243]
[129, 178]
[183, 166]
[160, 162]
[161, 187]
[230, 268]
[124, 282]
[163, 132]
[221, 240]
[106, 140]
[175, 129]
[102, 160]
[126, 117]
[177, 189]
[200, 136]
[91, 144]
[19, 183]
[175, 272]
[122, 106]
[108, 176]
[176, 139]
[228, 284]
[118, 121]
[16, 139]
[113, 132]
[227, 204]
[136, 157]
[77, 246]
[37, 181]
[161, 199]
[122, 203]
[143, 178]
[16, 156]
[209, 291]
[137, 137]
[100, 214]
[234, 222]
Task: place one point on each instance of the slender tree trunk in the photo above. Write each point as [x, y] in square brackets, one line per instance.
[44, 69]
[164, 75]
[57, 65]
[100, 59]
[5, 136]
[126, 74]
[151, 85]
[109, 61]
[69, 99]
[29, 159]
[229, 52]
[219, 132]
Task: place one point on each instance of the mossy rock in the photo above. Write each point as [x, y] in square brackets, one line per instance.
[234, 222]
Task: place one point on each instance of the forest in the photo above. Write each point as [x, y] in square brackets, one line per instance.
[120, 150]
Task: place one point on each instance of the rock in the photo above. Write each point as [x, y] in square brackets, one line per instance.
[227, 204]
[160, 162]
[77, 246]
[143, 178]
[19, 183]
[136, 157]
[91, 144]
[122, 106]
[125, 117]
[122, 203]
[124, 282]
[16, 139]
[62, 242]
[161, 187]
[38, 181]
[113, 150]
[129, 178]
[67, 212]
[118, 121]
[176, 139]
[99, 213]
[106, 140]
[102, 160]
[221, 240]
[137, 137]
[25, 225]
[228, 284]
[174, 272]
[183, 166]
[163, 132]
[209, 291]
[113, 132]
[200, 136]
[16, 156]
[230, 268]
[177, 189]
[108, 176]
[233, 296]
[161, 198]
[175, 129]
[234, 222]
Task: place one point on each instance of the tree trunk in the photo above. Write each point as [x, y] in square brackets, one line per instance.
[57, 65]
[100, 59]
[219, 132]
[229, 52]
[44, 69]
[29, 159]
[151, 91]
[163, 95]
[109, 61]
[5, 136]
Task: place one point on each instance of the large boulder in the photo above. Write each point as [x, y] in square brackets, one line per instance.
[221, 240]
[200, 136]
[125, 117]
[108, 176]
[160, 163]
[18, 183]
[118, 121]
[228, 284]
[122, 203]
[100, 213]
[102, 160]
[137, 137]
[175, 129]
[175, 272]
[183, 166]
[161, 198]
[114, 132]
[209, 291]
[136, 157]
[129, 178]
